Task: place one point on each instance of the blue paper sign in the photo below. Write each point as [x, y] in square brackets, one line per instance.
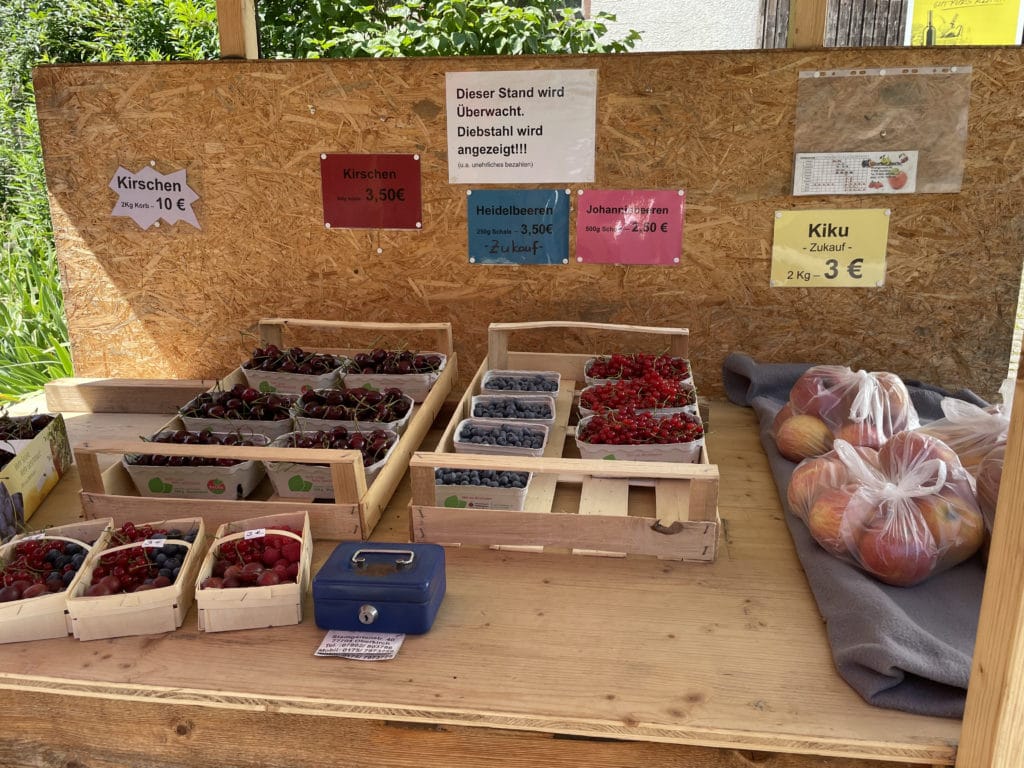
[518, 226]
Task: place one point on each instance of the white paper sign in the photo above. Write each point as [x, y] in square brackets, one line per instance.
[149, 195]
[361, 646]
[531, 126]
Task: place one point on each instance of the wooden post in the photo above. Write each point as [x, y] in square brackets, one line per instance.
[993, 730]
[807, 23]
[236, 22]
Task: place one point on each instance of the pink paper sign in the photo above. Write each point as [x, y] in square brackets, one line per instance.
[630, 226]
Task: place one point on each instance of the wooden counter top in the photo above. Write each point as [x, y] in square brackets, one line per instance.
[731, 655]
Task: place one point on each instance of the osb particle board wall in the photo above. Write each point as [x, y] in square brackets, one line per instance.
[178, 301]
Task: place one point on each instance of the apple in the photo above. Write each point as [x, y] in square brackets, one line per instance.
[837, 519]
[955, 523]
[814, 392]
[989, 476]
[909, 448]
[896, 546]
[861, 433]
[810, 478]
[898, 405]
[784, 413]
[801, 436]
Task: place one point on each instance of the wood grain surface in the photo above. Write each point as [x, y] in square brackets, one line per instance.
[730, 655]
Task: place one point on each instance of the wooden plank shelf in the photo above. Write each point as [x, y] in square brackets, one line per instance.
[625, 508]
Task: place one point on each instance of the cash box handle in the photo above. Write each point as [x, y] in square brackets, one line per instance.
[359, 562]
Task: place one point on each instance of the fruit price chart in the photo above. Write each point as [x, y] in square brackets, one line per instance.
[855, 173]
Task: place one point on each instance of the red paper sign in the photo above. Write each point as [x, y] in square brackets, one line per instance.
[629, 226]
[371, 191]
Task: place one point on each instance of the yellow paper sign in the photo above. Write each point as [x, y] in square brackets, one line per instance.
[964, 22]
[830, 249]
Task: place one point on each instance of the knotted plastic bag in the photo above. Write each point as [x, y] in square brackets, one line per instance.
[972, 431]
[902, 513]
[831, 402]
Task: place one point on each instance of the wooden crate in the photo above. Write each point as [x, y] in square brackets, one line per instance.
[46, 616]
[611, 508]
[279, 605]
[356, 508]
[138, 613]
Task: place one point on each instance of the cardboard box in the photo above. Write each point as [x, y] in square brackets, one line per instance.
[37, 466]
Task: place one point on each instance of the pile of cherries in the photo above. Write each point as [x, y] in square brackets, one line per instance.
[373, 445]
[40, 567]
[637, 364]
[648, 391]
[256, 561]
[627, 427]
[391, 361]
[292, 360]
[240, 402]
[185, 437]
[356, 404]
[151, 565]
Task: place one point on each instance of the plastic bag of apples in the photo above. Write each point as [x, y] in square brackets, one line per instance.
[832, 402]
[901, 513]
[989, 477]
[971, 431]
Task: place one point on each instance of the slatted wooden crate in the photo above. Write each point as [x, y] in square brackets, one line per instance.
[356, 508]
[587, 507]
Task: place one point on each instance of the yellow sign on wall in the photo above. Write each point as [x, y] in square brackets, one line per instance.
[830, 249]
[964, 22]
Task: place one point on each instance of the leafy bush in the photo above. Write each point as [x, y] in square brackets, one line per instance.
[433, 28]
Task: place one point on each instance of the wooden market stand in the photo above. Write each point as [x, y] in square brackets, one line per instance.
[548, 659]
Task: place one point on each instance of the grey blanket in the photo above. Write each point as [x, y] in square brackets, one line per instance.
[901, 648]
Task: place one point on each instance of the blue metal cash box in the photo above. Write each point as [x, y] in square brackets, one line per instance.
[371, 587]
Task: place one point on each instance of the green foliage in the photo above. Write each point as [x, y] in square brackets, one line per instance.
[34, 345]
[433, 28]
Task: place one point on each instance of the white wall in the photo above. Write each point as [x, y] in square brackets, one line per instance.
[685, 25]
